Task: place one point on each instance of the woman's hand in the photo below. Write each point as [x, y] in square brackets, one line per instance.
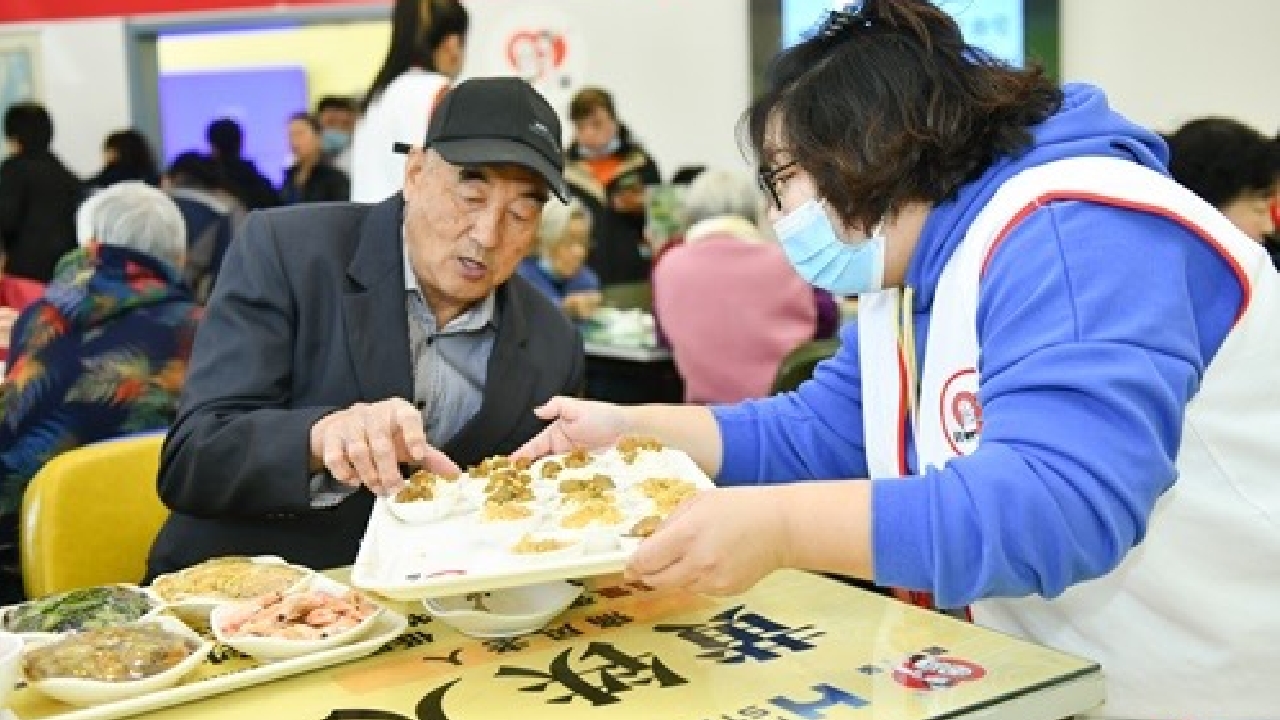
[719, 542]
[575, 424]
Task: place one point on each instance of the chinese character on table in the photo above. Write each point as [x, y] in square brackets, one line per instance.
[604, 671]
[734, 636]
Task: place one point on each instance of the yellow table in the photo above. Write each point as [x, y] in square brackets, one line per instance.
[796, 647]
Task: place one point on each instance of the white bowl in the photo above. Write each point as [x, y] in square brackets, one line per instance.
[194, 608]
[271, 648]
[10, 658]
[6, 613]
[78, 691]
[508, 612]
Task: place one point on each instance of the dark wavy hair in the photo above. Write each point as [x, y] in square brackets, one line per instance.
[1222, 160]
[30, 125]
[417, 29]
[887, 104]
[133, 154]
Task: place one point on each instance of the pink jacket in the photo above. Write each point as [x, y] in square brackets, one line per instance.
[732, 307]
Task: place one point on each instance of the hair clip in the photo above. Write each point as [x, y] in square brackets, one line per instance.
[839, 22]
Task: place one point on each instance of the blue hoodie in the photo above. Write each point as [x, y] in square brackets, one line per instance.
[1095, 325]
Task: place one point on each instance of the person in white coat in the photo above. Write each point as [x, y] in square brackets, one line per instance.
[425, 55]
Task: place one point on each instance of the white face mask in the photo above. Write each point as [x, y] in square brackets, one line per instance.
[824, 260]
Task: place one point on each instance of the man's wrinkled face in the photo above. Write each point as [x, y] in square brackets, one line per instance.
[467, 227]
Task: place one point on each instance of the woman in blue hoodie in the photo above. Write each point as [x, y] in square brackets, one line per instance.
[1053, 407]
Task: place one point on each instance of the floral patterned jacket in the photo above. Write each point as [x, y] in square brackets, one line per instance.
[102, 354]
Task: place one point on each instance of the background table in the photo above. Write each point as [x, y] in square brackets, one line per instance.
[796, 647]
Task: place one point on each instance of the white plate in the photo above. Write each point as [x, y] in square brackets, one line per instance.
[79, 691]
[11, 645]
[504, 613]
[196, 608]
[462, 554]
[388, 626]
[445, 499]
[272, 649]
[158, 606]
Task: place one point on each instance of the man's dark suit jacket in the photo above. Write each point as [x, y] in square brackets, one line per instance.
[309, 317]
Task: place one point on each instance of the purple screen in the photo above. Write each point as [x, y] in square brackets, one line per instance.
[260, 99]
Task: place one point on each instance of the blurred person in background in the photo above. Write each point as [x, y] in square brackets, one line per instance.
[724, 268]
[424, 57]
[38, 197]
[1232, 167]
[609, 171]
[619, 252]
[104, 352]
[126, 155]
[226, 142]
[311, 178]
[337, 115]
[559, 267]
[211, 213]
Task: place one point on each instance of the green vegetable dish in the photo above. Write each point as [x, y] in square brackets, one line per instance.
[96, 607]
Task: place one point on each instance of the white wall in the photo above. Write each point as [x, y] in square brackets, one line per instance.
[83, 84]
[1163, 62]
[679, 70]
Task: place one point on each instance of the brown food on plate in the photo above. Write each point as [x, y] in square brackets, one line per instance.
[117, 654]
[529, 545]
[550, 469]
[421, 486]
[637, 443]
[645, 527]
[577, 459]
[228, 578]
[595, 510]
[595, 485]
[667, 493]
[505, 511]
[511, 493]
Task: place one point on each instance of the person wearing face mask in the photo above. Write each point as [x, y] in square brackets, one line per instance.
[337, 116]
[559, 269]
[1059, 403]
[608, 170]
[424, 57]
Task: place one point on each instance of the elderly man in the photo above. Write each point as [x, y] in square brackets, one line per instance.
[346, 340]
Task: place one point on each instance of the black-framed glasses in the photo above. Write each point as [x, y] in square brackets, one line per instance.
[766, 176]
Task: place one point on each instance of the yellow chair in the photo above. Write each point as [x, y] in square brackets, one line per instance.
[798, 365]
[89, 516]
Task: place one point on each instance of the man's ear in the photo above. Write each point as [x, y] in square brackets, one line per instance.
[415, 167]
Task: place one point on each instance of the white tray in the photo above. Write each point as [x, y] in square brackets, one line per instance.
[388, 626]
[451, 556]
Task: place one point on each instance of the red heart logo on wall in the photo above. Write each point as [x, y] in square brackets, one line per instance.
[536, 51]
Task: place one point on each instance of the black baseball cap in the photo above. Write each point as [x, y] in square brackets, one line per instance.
[498, 121]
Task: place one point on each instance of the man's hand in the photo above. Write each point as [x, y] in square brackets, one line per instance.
[719, 542]
[575, 424]
[364, 445]
[582, 305]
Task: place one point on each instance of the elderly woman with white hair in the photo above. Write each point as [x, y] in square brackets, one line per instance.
[104, 352]
[559, 267]
[726, 268]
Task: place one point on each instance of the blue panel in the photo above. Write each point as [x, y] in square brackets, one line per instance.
[260, 99]
[993, 25]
